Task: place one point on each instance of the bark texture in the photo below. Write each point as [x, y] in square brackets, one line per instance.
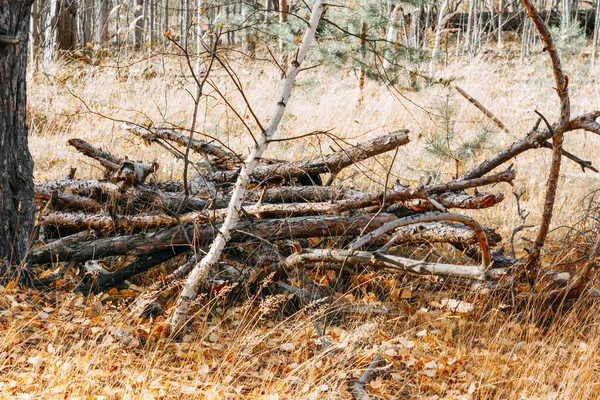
[16, 165]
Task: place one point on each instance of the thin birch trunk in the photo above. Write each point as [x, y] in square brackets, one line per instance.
[500, 9]
[595, 39]
[50, 32]
[139, 24]
[436, 43]
[190, 289]
[391, 35]
[467, 35]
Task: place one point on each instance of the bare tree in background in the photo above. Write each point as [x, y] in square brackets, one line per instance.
[16, 165]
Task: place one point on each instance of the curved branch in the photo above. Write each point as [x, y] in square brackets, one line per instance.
[432, 217]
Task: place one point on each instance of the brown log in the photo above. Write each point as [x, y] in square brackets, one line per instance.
[121, 169]
[87, 188]
[56, 246]
[152, 134]
[143, 264]
[66, 200]
[301, 194]
[148, 243]
[429, 217]
[332, 163]
[140, 194]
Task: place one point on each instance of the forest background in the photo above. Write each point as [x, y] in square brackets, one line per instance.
[376, 67]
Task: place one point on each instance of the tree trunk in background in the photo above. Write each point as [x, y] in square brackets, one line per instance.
[16, 165]
[139, 24]
[102, 22]
[66, 29]
[50, 32]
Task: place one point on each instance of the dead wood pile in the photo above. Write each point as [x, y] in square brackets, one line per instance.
[149, 222]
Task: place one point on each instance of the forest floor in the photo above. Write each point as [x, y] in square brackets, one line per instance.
[441, 341]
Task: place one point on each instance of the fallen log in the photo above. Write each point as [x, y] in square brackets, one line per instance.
[91, 188]
[66, 200]
[143, 264]
[144, 221]
[148, 243]
[118, 169]
[442, 232]
[142, 194]
[452, 200]
[429, 217]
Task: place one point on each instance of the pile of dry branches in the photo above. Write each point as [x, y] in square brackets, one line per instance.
[125, 214]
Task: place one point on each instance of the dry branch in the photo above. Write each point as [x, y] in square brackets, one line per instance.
[121, 169]
[378, 260]
[152, 134]
[332, 163]
[562, 89]
[483, 109]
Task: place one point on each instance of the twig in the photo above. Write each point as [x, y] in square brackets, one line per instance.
[482, 108]
[6, 39]
[357, 388]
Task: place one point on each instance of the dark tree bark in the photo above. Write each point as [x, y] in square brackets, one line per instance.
[16, 165]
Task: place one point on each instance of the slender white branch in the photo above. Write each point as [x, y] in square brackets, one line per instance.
[378, 260]
[190, 289]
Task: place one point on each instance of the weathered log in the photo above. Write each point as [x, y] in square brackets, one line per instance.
[442, 232]
[301, 194]
[378, 260]
[66, 200]
[453, 200]
[152, 134]
[402, 193]
[512, 21]
[332, 163]
[91, 188]
[79, 221]
[121, 169]
[430, 217]
[56, 246]
[142, 194]
[143, 264]
[148, 243]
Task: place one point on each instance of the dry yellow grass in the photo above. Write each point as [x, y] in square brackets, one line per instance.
[61, 345]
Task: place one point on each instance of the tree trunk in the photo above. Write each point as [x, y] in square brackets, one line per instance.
[16, 165]
[102, 26]
[139, 24]
[50, 32]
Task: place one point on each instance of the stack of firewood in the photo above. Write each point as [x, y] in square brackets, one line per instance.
[129, 214]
